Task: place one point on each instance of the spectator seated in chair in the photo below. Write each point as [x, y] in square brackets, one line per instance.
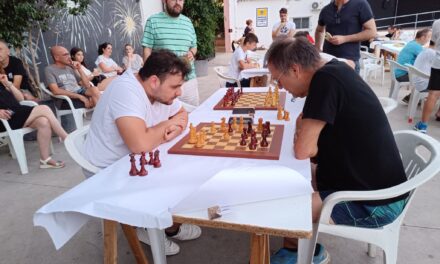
[240, 61]
[38, 117]
[16, 73]
[62, 78]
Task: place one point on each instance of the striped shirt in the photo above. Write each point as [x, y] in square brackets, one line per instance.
[175, 34]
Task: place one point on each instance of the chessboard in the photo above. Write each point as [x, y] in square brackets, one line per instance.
[254, 100]
[216, 145]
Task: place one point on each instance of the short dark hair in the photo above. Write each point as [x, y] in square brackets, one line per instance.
[74, 51]
[422, 32]
[163, 62]
[248, 22]
[250, 38]
[283, 10]
[301, 34]
[283, 53]
[103, 46]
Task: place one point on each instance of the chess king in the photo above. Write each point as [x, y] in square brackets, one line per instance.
[137, 113]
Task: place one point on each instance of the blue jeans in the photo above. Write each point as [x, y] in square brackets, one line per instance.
[361, 215]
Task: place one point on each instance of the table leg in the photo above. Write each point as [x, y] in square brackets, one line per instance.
[259, 249]
[157, 244]
[135, 245]
[110, 242]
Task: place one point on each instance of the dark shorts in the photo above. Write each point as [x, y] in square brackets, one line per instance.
[361, 215]
[403, 78]
[434, 80]
[21, 114]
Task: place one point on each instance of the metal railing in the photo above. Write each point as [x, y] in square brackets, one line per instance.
[416, 21]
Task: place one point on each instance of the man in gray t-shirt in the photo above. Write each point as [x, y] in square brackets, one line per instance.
[65, 77]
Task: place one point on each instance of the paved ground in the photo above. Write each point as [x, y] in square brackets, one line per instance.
[22, 195]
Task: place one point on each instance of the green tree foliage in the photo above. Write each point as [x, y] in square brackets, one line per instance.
[206, 16]
[19, 17]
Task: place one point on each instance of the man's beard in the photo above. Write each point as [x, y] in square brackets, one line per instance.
[171, 12]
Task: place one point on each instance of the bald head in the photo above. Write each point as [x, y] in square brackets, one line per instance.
[60, 55]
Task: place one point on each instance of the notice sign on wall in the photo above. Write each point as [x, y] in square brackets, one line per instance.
[261, 17]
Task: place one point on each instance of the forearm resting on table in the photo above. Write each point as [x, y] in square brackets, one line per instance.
[138, 137]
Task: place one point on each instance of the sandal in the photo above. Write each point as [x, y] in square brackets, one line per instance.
[44, 164]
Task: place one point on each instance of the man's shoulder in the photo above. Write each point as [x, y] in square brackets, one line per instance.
[157, 16]
[14, 60]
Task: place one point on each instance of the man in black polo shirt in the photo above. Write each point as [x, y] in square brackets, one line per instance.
[348, 22]
[344, 126]
[15, 71]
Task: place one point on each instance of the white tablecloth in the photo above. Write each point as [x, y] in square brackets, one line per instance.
[149, 201]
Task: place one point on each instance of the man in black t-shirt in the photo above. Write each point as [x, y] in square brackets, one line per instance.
[348, 22]
[15, 72]
[344, 126]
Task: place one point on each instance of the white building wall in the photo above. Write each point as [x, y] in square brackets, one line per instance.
[150, 7]
[241, 10]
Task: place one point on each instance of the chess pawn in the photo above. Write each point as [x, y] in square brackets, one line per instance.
[244, 133]
[212, 129]
[199, 142]
[240, 125]
[230, 130]
[226, 135]
[260, 125]
[264, 142]
[268, 127]
[142, 163]
[151, 158]
[192, 134]
[286, 116]
[234, 123]
[280, 113]
[243, 140]
[223, 125]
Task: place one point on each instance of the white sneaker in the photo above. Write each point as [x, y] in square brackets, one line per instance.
[188, 232]
[171, 248]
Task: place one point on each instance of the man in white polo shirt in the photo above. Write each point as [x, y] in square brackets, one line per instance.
[137, 113]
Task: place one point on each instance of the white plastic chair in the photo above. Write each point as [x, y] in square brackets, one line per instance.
[14, 139]
[395, 84]
[416, 96]
[74, 145]
[388, 104]
[77, 113]
[370, 64]
[223, 78]
[418, 171]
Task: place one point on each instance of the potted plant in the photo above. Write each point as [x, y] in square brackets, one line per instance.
[205, 16]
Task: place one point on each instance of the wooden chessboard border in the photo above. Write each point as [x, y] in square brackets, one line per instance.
[272, 154]
[282, 102]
